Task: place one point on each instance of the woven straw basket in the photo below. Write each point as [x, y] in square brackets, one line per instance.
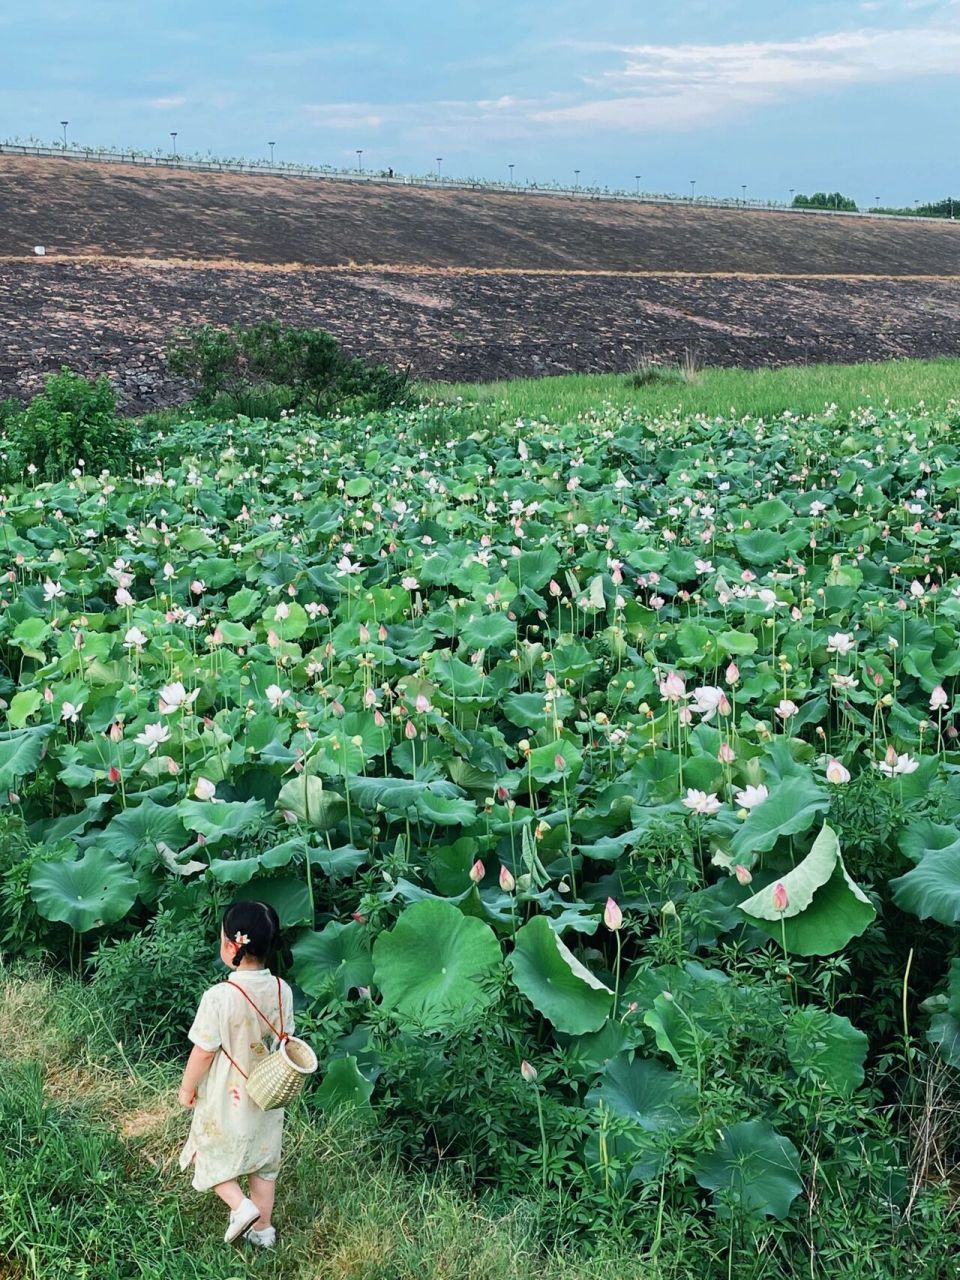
[279, 1077]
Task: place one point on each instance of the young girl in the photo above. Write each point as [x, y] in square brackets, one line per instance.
[230, 1135]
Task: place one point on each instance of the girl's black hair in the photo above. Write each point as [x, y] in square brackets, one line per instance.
[261, 924]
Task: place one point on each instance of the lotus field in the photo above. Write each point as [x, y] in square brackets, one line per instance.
[604, 774]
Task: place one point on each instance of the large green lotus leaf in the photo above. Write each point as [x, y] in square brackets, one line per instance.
[525, 710]
[336, 957]
[644, 1091]
[94, 890]
[220, 821]
[20, 753]
[534, 568]
[790, 808]
[827, 1049]
[289, 897]
[344, 1086]
[407, 798]
[307, 799]
[931, 889]
[145, 823]
[825, 908]
[555, 982]
[491, 631]
[234, 870]
[292, 626]
[760, 546]
[22, 706]
[339, 863]
[754, 1168]
[542, 761]
[437, 969]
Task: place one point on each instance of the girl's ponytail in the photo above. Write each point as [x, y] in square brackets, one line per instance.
[256, 927]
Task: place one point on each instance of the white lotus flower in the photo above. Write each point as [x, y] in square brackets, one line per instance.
[276, 695]
[706, 700]
[134, 639]
[750, 797]
[672, 687]
[204, 789]
[152, 736]
[52, 590]
[786, 709]
[69, 712]
[916, 589]
[174, 697]
[938, 699]
[841, 642]
[837, 773]
[892, 764]
[700, 801]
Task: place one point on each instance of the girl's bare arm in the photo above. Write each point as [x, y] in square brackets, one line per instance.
[198, 1064]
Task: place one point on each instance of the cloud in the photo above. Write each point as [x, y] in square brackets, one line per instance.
[345, 115]
[167, 104]
[687, 84]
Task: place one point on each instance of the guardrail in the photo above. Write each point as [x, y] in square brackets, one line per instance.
[256, 168]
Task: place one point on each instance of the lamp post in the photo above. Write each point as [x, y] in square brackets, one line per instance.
[510, 167]
[693, 188]
[638, 176]
[576, 179]
[173, 135]
[792, 189]
[876, 202]
[359, 159]
[271, 145]
[439, 163]
[743, 188]
[63, 126]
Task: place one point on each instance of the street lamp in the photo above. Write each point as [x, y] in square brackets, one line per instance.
[360, 159]
[792, 189]
[510, 167]
[743, 188]
[271, 145]
[173, 135]
[876, 202]
[576, 179]
[693, 188]
[638, 176]
[439, 163]
[63, 126]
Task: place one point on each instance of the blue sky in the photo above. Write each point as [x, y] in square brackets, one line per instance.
[812, 94]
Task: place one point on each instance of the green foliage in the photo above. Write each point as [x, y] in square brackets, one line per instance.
[72, 424]
[825, 200]
[268, 368]
[151, 982]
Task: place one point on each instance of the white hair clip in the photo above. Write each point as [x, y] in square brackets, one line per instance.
[241, 939]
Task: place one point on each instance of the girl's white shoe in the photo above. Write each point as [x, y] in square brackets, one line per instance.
[241, 1219]
[266, 1237]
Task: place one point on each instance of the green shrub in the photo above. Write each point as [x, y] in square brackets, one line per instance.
[151, 982]
[262, 370]
[72, 423]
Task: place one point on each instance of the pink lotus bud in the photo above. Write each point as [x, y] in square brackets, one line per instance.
[726, 753]
[410, 730]
[378, 719]
[196, 587]
[559, 763]
[938, 699]
[723, 706]
[507, 882]
[358, 916]
[780, 899]
[364, 634]
[289, 815]
[732, 673]
[336, 707]
[528, 1071]
[555, 588]
[422, 703]
[172, 767]
[502, 793]
[363, 993]
[382, 633]
[13, 797]
[612, 916]
[477, 871]
[48, 694]
[370, 698]
[113, 774]
[742, 874]
[116, 732]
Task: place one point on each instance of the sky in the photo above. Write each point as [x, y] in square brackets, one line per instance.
[860, 97]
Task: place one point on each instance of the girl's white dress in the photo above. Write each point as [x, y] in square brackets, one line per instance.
[229, 1134]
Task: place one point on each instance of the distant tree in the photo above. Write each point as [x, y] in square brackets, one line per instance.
[825, 200]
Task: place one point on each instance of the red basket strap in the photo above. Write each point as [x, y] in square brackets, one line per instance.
[281, 1035]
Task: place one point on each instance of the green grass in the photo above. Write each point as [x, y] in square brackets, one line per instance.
[767, 393]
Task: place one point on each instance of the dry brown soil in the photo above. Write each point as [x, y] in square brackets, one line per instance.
[457, 284]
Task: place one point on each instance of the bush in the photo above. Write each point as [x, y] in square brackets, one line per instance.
[263, 370]
[825, 200]
[73, 423]
[152, 982]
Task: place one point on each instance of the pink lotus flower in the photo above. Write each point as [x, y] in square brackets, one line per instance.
[612, 916]
[477, 871]
[786, 709]
[837, 773]
[673, 687]
[780, 899]
[742, 874]
[726, 754]
[528, 1071]
[410, 730]
[938, 699]
[507, 882]
[732, 673]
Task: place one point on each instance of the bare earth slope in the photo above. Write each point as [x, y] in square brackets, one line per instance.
[460, 284]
